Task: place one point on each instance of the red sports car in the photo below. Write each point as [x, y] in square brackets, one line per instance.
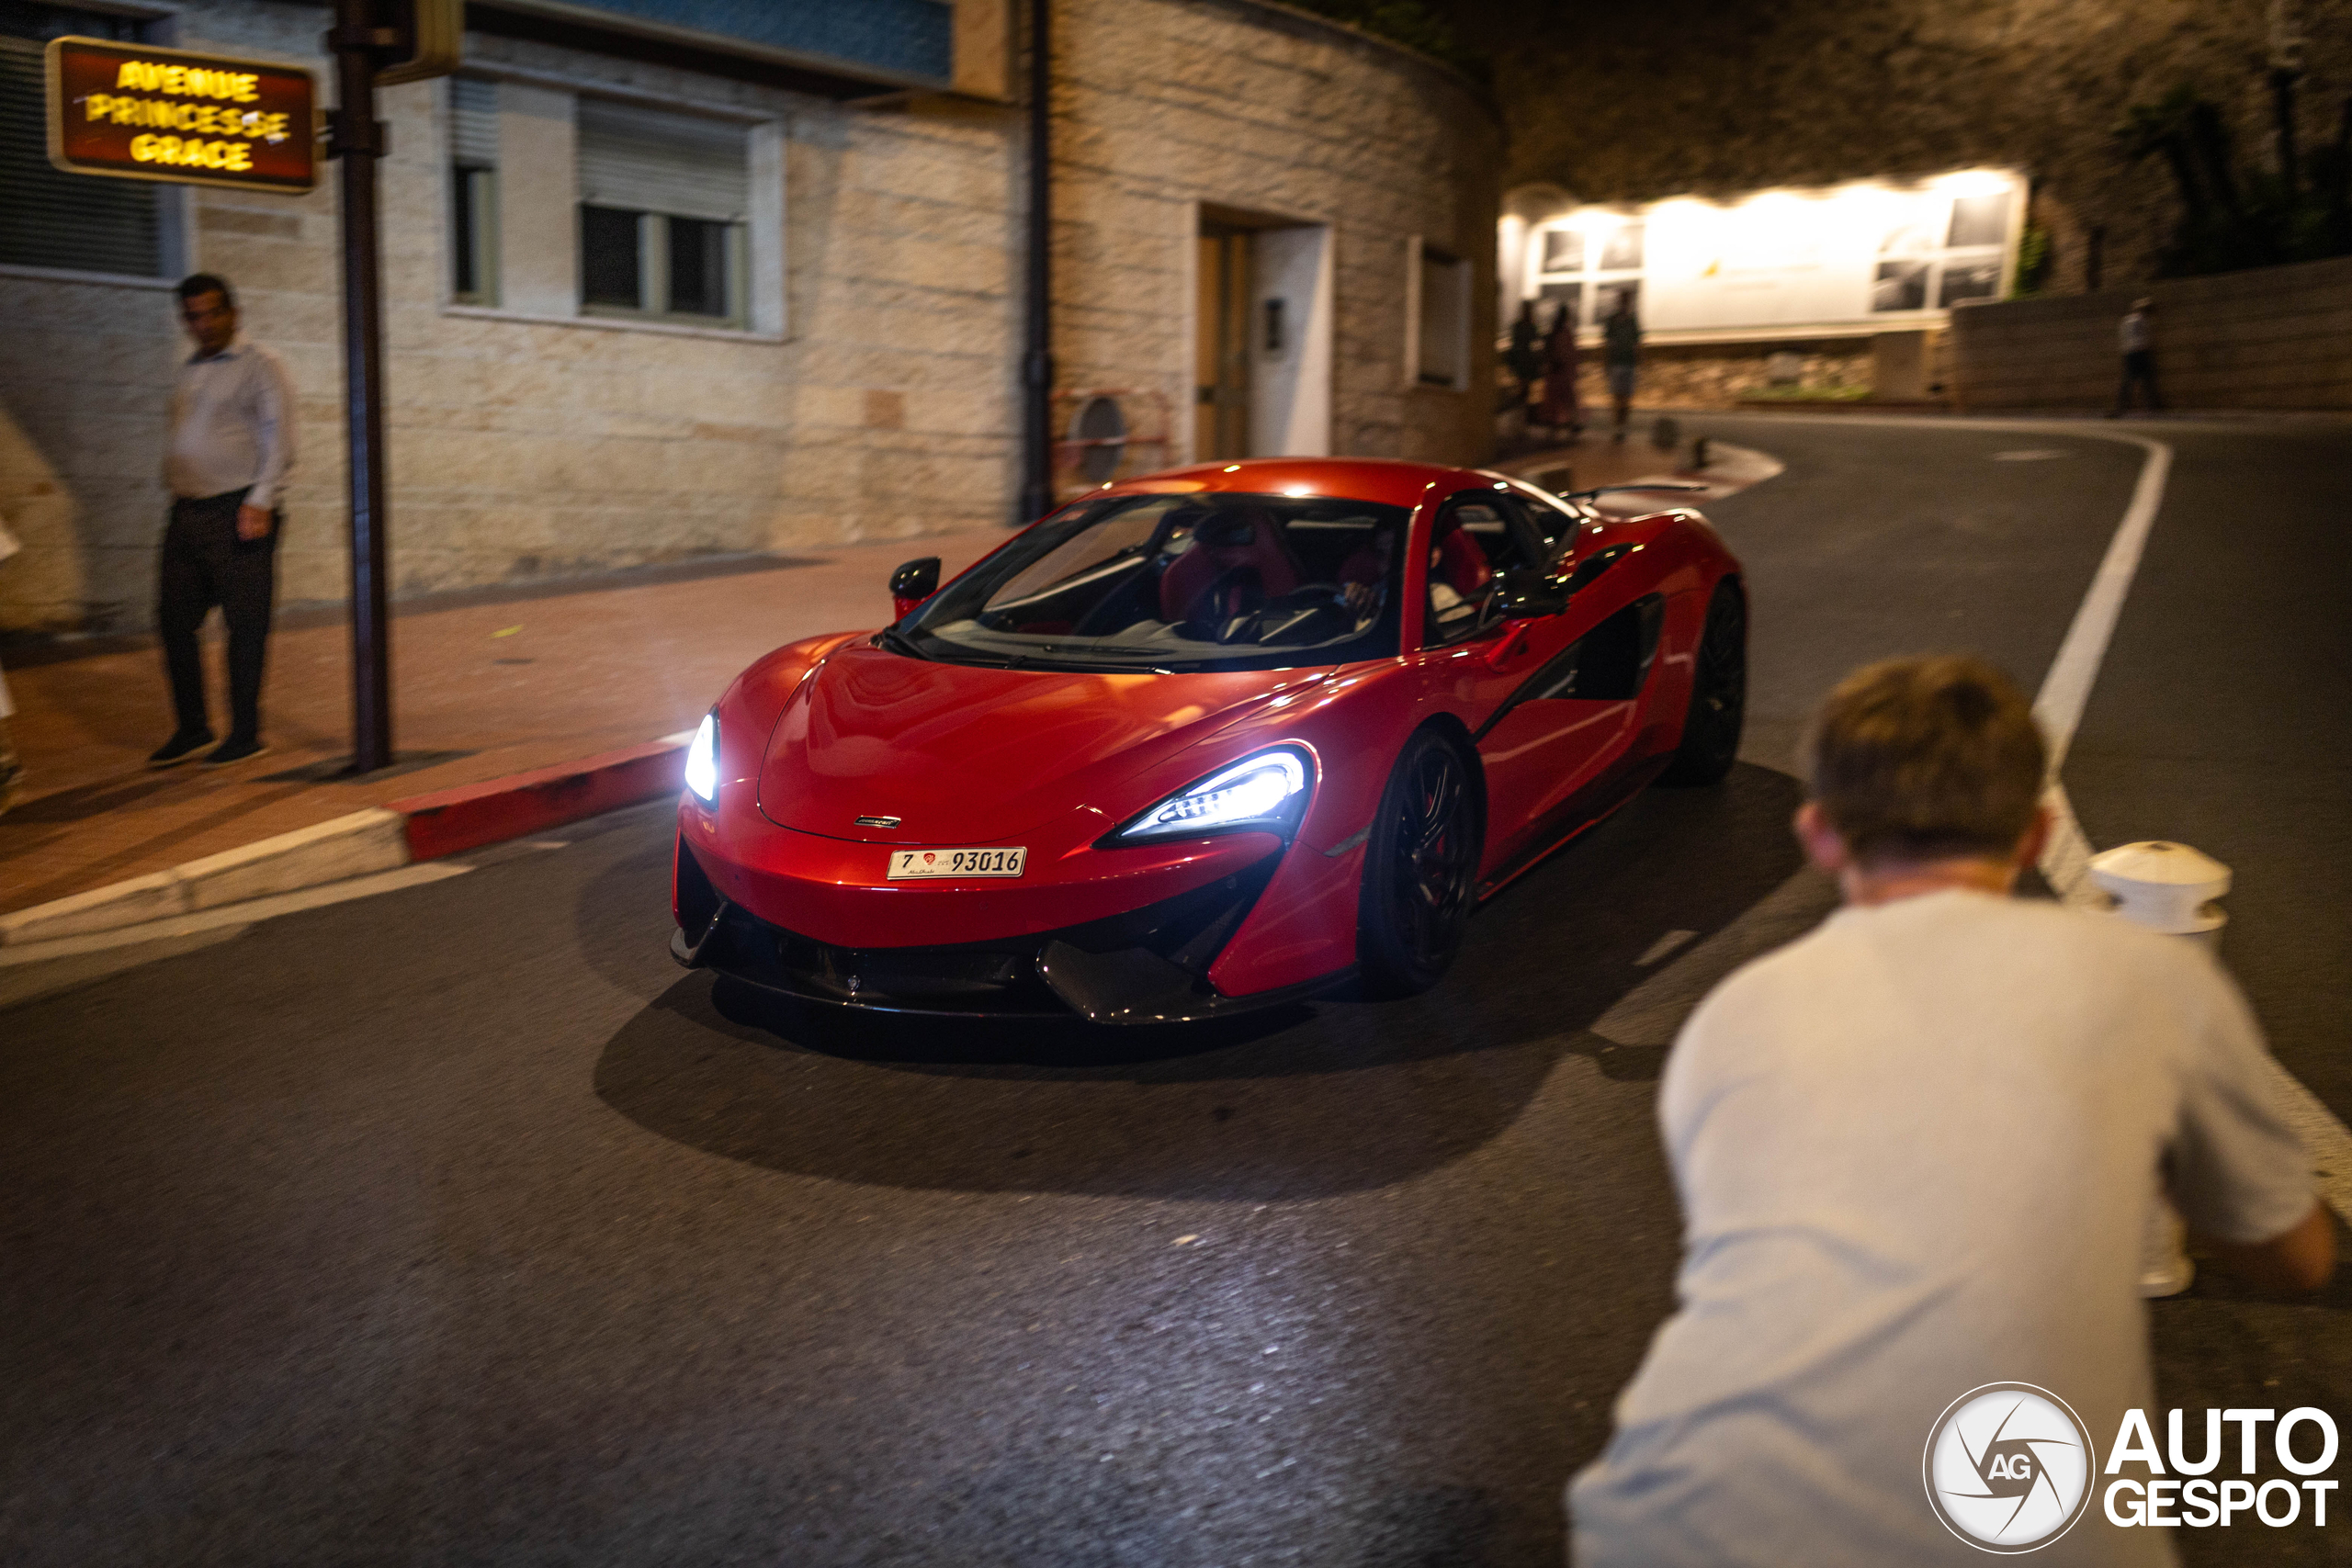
[1203, 741]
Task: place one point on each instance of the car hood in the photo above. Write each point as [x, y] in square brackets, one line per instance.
[963, 754]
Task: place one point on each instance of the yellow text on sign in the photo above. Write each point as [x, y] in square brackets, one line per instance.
[192, 153]
[187, 81]
[165, 115]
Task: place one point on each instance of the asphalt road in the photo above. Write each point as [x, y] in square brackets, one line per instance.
[457, 1225]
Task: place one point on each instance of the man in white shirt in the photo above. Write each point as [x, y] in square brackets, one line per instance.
[1915, 1151]
[2136, 336]
[231, 444]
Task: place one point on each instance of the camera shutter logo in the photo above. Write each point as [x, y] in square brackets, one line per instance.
[2008, 1467]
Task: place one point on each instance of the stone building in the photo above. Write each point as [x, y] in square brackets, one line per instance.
[750, 281]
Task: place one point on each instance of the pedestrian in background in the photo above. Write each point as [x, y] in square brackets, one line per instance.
[1524, 358]
[231, 444]
[12, 772]
[2137, 338]
[1915, 1150]
[1561, 406]
[1622, 357]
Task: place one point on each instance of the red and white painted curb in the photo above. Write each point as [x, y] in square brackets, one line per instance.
[385, 838]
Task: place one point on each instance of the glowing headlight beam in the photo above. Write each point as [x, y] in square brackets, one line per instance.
[1259, 791]
[702, 761]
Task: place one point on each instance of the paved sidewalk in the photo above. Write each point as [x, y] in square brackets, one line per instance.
[486, 685]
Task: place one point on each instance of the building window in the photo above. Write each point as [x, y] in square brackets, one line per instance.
[1445, 336]
[1938, 257]
[664, 202]
[1592, 263]
[473, 191]
[1563, 250]
[49, 218]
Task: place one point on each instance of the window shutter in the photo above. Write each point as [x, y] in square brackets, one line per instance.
[49, 218]
[473, 123]
[645, 161]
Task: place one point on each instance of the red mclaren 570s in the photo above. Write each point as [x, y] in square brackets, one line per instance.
[1208, 740]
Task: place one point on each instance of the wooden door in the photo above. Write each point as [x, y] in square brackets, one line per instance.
[1221, 427]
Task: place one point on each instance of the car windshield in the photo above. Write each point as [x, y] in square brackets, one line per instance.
[1173, 582]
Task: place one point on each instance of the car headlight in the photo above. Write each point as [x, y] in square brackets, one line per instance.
[702, 761]
[1261, 793]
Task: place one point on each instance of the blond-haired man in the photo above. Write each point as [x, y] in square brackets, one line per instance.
[1915, 1150]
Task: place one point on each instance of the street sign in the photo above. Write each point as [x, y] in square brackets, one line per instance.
[133, 111]
[431, 37]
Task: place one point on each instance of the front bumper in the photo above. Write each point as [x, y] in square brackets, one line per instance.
[1150, 964]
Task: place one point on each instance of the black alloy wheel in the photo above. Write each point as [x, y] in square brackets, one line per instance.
[1420, 869]
[1710, 725]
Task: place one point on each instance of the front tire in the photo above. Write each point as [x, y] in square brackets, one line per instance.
[1718, 709]
[1420, 869]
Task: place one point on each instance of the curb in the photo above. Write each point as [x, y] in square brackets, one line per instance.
[1730, 469]
[452, 821]
[420, 828]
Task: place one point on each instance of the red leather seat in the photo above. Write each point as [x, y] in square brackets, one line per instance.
[1221, 543]
[1460, 563]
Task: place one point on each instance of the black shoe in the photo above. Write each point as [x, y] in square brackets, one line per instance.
[236, 749]
[181, 747]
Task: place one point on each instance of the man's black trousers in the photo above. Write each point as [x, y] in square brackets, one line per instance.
[206, 564]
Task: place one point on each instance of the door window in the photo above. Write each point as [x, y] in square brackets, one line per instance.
[1555, 528]
[1478, 536]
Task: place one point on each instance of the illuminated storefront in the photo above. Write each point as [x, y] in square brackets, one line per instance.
[1849, 261]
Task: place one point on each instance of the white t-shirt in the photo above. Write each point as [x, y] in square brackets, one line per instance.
[2134, 334]
[1915, 1150]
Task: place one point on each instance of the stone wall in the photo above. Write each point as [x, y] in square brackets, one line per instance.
[1161, 107]
[1710, 375]
[886, 405]
[1639, 100]
[1717, 376]
[2276, 337]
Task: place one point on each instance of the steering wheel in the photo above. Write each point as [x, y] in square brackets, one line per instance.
[1293, 609]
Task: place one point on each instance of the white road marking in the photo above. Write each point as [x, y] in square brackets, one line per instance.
[239, 915]
[21, 983]
[2067, 687]
[1661, 947]
[2066, 859]
[43, 968]
[1651, 1012]
[2028, 455]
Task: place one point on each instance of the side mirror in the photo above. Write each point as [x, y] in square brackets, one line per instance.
[1523, 596]
[913, 583]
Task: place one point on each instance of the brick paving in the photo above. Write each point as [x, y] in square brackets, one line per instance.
[484, 684]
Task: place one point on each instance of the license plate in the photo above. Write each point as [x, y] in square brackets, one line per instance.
[906, 864]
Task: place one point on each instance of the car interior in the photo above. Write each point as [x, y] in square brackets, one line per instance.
[1245, 572]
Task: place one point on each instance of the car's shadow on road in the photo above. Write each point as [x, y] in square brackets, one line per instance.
[1335, 1095]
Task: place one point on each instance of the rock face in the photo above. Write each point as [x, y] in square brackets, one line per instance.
[1639, 100]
